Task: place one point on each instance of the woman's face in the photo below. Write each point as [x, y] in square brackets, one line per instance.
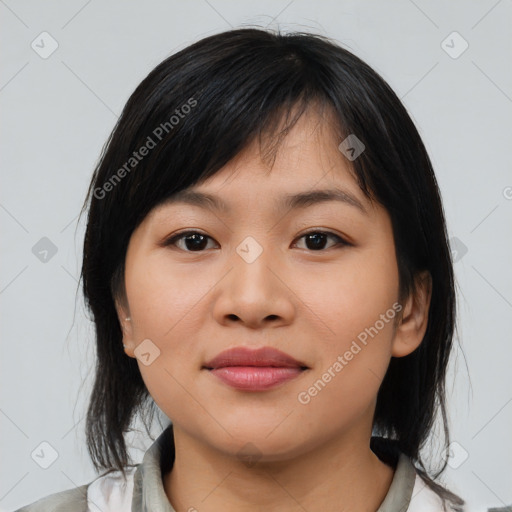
[254, 280]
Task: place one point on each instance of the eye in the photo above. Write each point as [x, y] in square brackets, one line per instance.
[195, 241]
[315, 240]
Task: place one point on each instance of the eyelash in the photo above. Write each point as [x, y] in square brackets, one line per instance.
[172, 240]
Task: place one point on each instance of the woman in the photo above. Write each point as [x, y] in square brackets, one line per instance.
[266, 261]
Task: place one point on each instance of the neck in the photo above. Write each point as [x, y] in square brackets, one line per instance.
[342, 474]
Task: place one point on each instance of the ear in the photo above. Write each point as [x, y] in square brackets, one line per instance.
[123, 315]
[413, 321]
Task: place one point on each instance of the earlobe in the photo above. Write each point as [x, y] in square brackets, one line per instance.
[127, 337]
[126, 328]
[414, 319]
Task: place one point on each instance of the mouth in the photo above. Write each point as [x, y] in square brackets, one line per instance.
[254, 369]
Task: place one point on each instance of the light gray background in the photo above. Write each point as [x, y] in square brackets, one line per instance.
[57, 113]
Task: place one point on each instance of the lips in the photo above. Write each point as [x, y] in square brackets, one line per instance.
[254, 369]
[243, 356]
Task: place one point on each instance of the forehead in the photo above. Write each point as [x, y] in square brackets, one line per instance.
[308, 168]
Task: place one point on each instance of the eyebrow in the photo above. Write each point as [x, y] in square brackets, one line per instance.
[289, 201]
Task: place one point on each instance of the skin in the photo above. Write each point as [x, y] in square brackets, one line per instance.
[308, 303]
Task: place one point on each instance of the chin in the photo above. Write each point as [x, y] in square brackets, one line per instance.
[256, 441]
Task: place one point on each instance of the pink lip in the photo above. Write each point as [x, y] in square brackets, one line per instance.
[254, 369]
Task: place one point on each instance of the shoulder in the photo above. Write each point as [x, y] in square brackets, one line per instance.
[70, 500]
[109, 492]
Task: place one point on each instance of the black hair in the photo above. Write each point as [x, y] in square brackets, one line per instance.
[195, 112]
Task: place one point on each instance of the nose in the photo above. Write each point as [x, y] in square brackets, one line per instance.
[255, 294]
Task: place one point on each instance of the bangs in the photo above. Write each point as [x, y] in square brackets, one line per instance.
[190, 116]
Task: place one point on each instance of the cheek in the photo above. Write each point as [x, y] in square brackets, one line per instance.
[357, 305]
[351, 296]
[162, 296]
[167, 306]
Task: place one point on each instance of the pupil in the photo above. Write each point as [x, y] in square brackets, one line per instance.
[315, 238]
[197, 242]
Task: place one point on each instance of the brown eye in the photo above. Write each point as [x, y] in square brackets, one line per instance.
[316, 240]
[193, 241]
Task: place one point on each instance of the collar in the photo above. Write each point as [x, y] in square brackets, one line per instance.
[149, 494]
